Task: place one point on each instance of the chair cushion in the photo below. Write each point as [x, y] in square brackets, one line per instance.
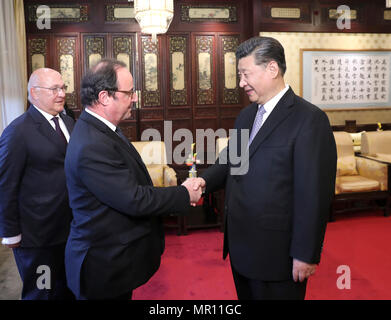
[374, 170]
[156, 171]
[345, 184]
[346, 163]
[170, 178]
[346, 166]
[356, 137]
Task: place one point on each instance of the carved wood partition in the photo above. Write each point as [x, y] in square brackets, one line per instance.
[188, 77]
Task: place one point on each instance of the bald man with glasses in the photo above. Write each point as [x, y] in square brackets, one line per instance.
[34, 210]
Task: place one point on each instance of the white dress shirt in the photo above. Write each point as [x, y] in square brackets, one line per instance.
[49, 117]
[270, 105]
[105, 121]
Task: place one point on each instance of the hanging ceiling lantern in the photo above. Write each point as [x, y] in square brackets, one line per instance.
[154, 16]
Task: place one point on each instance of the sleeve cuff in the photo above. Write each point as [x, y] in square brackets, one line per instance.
[12, 240]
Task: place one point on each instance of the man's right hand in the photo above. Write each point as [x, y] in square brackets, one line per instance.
[194, 192]
[195, 185]
[198, 183]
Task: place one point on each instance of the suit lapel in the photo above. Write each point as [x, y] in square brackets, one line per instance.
[129, 148]
[279, 113]
[132, 151]
[249, 117]
[46, 129]
[69, 123]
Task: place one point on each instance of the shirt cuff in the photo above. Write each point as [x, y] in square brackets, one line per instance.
[12, 240]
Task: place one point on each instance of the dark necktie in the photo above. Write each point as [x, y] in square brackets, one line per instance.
[119, 132]
[59, 131]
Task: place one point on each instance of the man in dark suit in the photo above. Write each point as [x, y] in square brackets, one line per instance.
[116, 237]
[276, 212]
[34, 211]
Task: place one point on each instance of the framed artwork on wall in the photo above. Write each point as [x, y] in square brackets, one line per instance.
[346, 79]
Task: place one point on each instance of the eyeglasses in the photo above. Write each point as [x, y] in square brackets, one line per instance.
[55, 90]
[130, 93]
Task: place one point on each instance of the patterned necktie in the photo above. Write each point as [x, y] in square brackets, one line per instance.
[59, 131]
[257, 123]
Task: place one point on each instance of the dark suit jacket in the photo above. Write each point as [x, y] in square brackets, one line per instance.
[279, 208]
[116, 237]
[33, 195]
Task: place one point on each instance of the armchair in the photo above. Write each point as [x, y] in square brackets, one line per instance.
[154, 156]
[358, 178]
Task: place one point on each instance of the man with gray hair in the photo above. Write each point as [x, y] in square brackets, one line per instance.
[34, 211]
[276, 213]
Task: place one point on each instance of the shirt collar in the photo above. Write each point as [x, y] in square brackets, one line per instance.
[47, 116]
[269, 106]
[105, 121]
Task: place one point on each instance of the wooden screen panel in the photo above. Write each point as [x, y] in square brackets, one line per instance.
[179, 70]
[67, 63]
[228, 116]
[329, 15]
[205, 69]
[38, 52]
[123, 49]
[152, 124]
[151, 114]
[208, 13]
[94, 49]
[129, 129]
[151, 72]
[229, 84]
[61, 13]
[285, 12]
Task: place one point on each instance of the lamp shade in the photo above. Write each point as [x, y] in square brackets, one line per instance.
[154, 16]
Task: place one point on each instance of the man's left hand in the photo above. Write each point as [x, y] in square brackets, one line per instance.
[302, 270]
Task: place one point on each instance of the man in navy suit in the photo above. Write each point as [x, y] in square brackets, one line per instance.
[34, 211]
[116, 236]
[276, 212]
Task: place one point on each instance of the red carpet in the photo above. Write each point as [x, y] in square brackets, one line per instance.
[192, 267]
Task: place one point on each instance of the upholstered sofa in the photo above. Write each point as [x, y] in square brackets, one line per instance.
[377, 145]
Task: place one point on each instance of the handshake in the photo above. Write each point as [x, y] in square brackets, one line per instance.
[195, 187]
